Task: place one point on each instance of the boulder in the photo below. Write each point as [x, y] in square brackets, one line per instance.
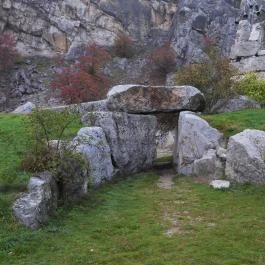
[246, 157]
[132, 138]
[220, 184]
[35, 207]
[235, 104]
[25, 109]
[196, 147]
[154, 99]
[92, 143]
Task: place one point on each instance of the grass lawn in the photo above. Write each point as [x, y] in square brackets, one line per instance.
[135, 222]
[235, 122]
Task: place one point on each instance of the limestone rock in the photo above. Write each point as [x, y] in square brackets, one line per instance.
[195, 151]
[235, 104]
[246, 157]
[154, 99]
[131, 138]
[220, 184]
[35, 207]
[92, 143]
[209, 166]
[25, 109]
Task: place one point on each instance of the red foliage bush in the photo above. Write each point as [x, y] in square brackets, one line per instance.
[8, 52]
[163, 58]
[83, 81]
[123, 46]
[93, 58]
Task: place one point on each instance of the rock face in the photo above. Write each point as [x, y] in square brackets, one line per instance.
[235, 104]
[63, 25]
[196, 19]
[25, 109]
[196, 151]
[154, 99]
[92, 143]
[34, 208]
[248, 51]
[245, 157]
[131, 138]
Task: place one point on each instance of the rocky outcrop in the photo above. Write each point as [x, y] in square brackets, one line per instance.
[35, 207]
[196, 150]
[132, 138]
[61, 26]
[245, 157]
[248, 51]
[235, 104]
[92, 144]
[154, 99]
[196, 19]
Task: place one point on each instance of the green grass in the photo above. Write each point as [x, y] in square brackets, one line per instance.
[13, 145]
[126, 223]
[129, 222]
[235, 122]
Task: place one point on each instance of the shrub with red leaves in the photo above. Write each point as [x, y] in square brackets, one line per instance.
[8, 52]
[163, 58]
[123, 46]
[83, 81]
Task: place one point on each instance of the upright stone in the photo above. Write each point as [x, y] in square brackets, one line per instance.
[131, 138]
[92, 143]
[196, 147]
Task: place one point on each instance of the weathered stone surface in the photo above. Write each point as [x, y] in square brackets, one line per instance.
[196, 19]
[154, 99]
[34, 208]
[195, 151]
[251, 64]
[92, 143]
[26, 108]
[131, 138]
[209, 166]
[220, 184]
[64, 25]
[235, 104]
[246, 157]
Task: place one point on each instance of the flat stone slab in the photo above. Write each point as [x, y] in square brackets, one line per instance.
[154, 99]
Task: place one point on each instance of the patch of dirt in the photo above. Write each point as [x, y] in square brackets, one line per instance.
[166, 179]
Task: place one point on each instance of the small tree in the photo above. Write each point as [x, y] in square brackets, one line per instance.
[83, 81]
[213, 76]
[163, 58]
[61, 158]
[8, 52]
[123, 46]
